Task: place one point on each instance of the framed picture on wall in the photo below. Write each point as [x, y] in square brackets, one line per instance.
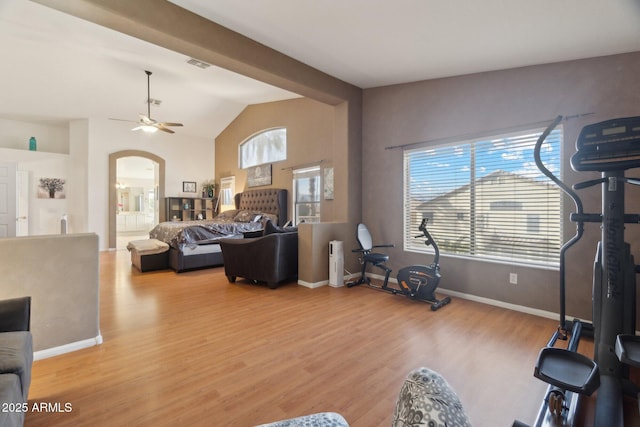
[188, 187]
[328, 183]
[259, 175]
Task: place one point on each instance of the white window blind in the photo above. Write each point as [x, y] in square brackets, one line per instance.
[486, 199]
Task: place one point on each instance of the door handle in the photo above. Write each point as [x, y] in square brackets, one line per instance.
[21, 217]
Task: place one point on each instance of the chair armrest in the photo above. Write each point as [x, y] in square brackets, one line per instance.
[388, 245]
[15, 314]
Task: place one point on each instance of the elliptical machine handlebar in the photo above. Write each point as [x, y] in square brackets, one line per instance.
[562, 329]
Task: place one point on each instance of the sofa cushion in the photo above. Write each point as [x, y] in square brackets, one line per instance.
[427, 399]
[323, 419]
[15, 314]
[11, 415]
[16, 357]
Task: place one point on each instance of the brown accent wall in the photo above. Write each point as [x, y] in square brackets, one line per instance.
[310, 139]
[483, 104]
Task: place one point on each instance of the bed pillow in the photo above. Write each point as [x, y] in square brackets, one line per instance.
[230, 214]
[270, 217]
[247, 216]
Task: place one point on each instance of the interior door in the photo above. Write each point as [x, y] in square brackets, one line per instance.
[7, 199]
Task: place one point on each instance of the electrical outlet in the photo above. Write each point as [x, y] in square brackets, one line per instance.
[513, 278]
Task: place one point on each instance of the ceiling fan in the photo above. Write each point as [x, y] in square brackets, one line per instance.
[146, 123]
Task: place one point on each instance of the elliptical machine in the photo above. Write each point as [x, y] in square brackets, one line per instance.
[417, 282]
[610, 147]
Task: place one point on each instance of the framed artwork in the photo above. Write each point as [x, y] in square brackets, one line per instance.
[259, 175]
[328, 183]
[188, 187]
[51, 188]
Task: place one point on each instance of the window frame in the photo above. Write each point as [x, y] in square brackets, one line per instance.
[312, 171]
[480, 218]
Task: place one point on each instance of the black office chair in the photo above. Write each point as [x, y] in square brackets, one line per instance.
[375, 259]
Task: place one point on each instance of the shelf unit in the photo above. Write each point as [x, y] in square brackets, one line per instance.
[189, 208]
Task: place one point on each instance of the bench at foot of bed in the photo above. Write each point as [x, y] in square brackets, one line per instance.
[149, 254]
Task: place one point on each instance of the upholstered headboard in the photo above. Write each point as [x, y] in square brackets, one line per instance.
[268, 200]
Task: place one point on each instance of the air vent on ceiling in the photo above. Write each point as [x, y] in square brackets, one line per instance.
[198, 63]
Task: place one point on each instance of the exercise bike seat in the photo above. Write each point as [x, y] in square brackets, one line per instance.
[366, 246]
[567, 370]
[376, 258]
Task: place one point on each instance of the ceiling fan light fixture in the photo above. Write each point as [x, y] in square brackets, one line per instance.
[149, 128]
[146, 123]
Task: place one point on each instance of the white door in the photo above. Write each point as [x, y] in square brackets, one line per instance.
[7, 199]
[22, 223]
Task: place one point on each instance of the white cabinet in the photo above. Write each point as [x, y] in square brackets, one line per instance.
[131, 221]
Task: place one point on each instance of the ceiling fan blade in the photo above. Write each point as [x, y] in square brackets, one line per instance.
[145, 122]
[123, 120]
[164, 129]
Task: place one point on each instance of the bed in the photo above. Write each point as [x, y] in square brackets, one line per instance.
[195, 244]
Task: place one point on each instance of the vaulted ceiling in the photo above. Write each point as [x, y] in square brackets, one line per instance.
[58, 67]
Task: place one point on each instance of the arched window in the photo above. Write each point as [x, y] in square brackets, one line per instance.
[264, 147]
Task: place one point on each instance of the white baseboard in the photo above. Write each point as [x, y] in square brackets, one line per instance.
[501, 304]
[488, 301]
[312, 285]
[325, 282]
[67, 348]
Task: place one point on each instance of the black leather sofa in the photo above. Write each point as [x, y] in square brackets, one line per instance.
[16, 360]
[271, 258]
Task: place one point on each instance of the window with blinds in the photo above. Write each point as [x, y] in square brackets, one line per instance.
[486, 199]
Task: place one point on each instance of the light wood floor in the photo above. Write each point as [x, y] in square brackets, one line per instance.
[191, 349]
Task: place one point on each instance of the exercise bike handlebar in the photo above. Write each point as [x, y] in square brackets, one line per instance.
[429, 242]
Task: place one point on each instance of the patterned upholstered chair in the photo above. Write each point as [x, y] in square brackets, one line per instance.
[425, 400]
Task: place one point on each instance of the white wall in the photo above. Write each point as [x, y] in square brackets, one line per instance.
[44, 214]
[51, 137]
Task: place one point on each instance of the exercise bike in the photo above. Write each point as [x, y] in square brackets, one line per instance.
[417, 282]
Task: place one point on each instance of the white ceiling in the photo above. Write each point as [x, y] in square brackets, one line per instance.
[372, 43]
[59, 67]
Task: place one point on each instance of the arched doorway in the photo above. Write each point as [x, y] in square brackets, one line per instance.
[113, 191]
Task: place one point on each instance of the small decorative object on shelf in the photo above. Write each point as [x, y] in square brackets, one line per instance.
[209, 188]
[33, 146]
